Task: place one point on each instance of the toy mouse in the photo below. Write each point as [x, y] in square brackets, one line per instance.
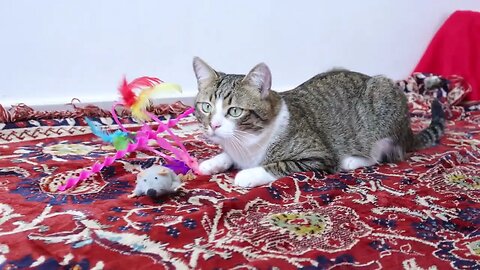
[156, 181]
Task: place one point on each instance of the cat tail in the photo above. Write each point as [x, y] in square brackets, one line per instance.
[432, 134]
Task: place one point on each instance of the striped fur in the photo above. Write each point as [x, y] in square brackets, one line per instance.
[331, 117]
[433, 132]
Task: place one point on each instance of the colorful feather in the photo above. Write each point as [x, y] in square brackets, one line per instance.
[148, 87]
[127, 89]
[105, 136]
[144, 82]
[128, 96]
[118, 139]
[178, 166]
[143, 100]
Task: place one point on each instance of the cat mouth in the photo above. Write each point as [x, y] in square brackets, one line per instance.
[211, 139]
[217, 136]
[214, 135]
[216, 139]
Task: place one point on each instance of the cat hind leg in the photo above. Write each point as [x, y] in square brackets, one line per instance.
[383, 151]
[387, 151]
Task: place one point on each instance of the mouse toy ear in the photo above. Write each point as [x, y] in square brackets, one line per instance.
[163, 172]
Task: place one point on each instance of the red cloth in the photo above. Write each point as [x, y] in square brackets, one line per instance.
[455, 49]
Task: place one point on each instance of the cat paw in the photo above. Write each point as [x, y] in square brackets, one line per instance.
[351, 163]
[215, 165]
[253, 177]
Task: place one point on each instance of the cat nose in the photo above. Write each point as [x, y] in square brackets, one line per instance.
[214, 125]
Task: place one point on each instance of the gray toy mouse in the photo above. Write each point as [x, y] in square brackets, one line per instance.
[156, 181]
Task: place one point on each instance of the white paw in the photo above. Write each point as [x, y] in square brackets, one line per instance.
[253, 177]
[215, 165]
[351, 163]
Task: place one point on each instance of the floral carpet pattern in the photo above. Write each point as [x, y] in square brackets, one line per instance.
[423, 213]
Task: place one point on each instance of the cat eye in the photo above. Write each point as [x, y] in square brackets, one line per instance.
[205, 107]
[235, 111]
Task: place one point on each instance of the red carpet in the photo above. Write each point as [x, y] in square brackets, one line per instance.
[423, 213]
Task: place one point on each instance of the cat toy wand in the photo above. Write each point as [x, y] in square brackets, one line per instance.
[137, 105]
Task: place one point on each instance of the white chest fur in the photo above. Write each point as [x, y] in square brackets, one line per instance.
[249, 150]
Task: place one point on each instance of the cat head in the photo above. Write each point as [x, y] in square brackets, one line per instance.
[230, 105]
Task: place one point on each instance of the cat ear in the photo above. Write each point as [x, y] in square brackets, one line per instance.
[204, 73]
[260, 77]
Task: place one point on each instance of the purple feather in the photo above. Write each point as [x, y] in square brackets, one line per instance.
[179, 167]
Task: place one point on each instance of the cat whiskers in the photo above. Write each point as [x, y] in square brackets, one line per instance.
[239, 145]
[239, 134]
[235, 143]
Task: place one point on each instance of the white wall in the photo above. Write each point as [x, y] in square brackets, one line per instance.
[52, 51]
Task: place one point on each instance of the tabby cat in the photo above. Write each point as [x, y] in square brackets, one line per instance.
[337, 120]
